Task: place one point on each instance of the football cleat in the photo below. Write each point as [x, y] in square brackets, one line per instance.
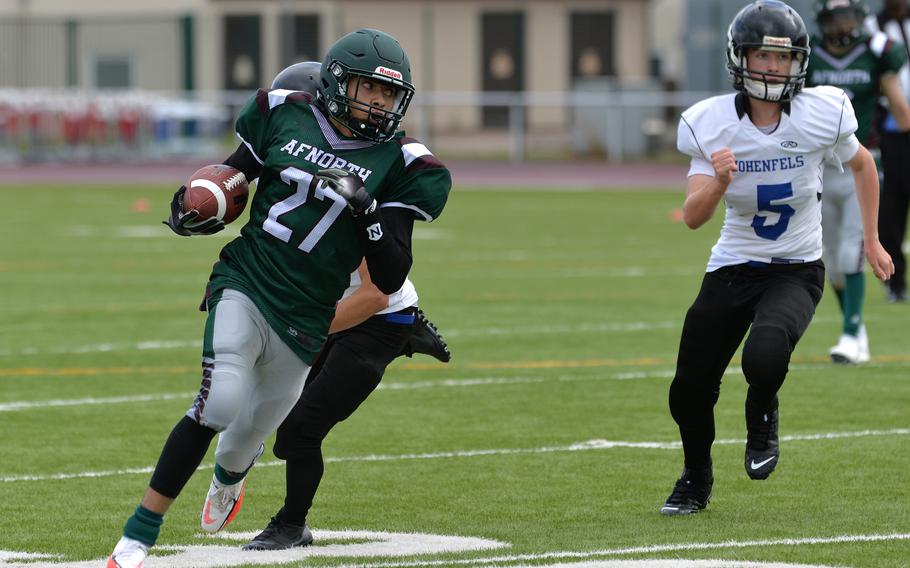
[427, 340]
[762, 447]
[223, 502]
[850, 349]
[896, 296]
[691, 493]
[279, 535]
[128, 553]
[863, 337]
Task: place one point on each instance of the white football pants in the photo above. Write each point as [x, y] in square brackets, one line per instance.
[253, 378]
[842, 225]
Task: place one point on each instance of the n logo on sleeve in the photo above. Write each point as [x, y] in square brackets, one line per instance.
[374, 232]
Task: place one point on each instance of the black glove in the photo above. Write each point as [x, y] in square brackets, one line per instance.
[350, 187]
[427, 340]
[185, 224]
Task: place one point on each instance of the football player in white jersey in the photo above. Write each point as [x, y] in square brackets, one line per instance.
[760, 150]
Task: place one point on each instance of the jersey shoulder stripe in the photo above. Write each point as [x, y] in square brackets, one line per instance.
[879, 43]
[417, 156]
[268, 100]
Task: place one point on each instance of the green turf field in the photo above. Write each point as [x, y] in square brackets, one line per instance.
[563, 312]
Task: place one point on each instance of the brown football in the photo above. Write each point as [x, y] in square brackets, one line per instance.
[217, 191]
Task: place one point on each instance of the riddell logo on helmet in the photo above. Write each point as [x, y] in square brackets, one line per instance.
[777, 41]
[389, 72]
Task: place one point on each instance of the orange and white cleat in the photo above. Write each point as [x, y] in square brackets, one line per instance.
[128, 553]
[222, 504]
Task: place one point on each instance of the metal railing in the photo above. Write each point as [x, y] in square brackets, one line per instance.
[77, 126]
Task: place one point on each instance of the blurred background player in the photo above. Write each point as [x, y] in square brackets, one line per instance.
[894, 20]
[760, 151]
[865, 66]
[322, 167]
[369, 330]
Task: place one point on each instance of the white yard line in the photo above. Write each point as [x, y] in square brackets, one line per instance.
[551, 329]
[87, 401]
[588, 445]
[658, 548]
[385, 386]
[598, 327]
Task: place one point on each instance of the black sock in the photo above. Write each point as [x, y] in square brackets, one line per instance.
[181, 455]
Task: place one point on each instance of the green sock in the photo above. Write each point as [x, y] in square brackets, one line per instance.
[143, 526]
[839, 294]
[226, 477]
[854, 292]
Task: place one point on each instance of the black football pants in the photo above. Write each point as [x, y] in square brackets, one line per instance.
[894, 204]
[778, 302]
[347, 370]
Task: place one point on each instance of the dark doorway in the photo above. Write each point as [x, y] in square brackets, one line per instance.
[299, 38]
[503, 61]
[242, 52]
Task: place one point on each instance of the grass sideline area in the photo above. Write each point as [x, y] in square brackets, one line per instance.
[549, 432]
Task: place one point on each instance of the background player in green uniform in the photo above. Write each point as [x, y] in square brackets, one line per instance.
[865, 66]
[323, 167]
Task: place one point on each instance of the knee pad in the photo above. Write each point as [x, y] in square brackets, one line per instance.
[223, 392]
[766, 357]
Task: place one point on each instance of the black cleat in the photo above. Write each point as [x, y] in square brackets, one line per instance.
[427, 340]
[762, 447]
[690, 494]
[279, 535]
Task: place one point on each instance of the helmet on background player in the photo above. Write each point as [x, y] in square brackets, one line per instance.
[376, 56]
[303, 76]
[841, 21]
[770, 25]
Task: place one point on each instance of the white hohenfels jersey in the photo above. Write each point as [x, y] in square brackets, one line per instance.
[773, 204]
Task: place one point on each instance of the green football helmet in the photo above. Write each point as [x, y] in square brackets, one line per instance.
[841, 21]
[376, 56]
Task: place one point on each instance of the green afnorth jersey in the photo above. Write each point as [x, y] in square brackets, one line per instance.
[295, 255]
[858, 73]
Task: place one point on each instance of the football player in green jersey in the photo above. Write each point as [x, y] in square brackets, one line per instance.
[369, 330]
[865, 66]
[337, 184]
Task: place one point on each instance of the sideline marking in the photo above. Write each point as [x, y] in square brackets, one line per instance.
[587, 445]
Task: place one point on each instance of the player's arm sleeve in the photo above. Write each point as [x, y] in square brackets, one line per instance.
[687, 143]
[243, 160]
[846, 144]
[385, 237]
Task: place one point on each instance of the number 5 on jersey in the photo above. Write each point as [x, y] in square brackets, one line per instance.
[302, 181]
[767, 194]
